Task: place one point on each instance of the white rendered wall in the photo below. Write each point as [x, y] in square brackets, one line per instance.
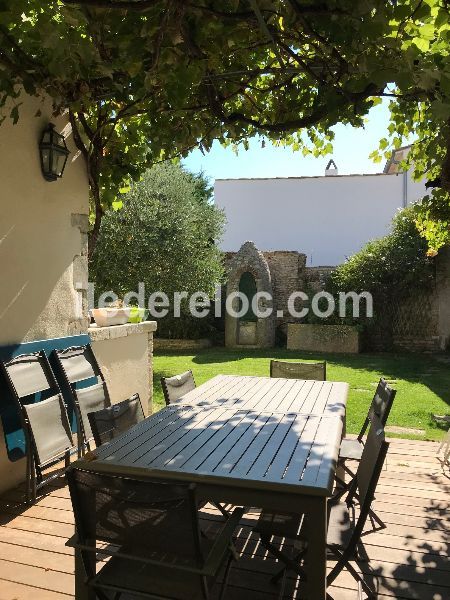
[327, 218]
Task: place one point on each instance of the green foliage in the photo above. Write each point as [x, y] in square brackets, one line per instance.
[392, 264]
[163, 237]
[147, 80]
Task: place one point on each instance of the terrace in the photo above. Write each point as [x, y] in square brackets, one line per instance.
[408, 559]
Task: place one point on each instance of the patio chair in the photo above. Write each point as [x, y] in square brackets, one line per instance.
[108, 423]
[176, 386]
[352, 449]
[444, 447]
[78, 364]
[48, 437]
[298, 370]
[346, 520]
[152, 533]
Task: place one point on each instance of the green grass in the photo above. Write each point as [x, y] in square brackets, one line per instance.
[422, 381]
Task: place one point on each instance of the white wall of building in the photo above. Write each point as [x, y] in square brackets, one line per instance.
[327, 218]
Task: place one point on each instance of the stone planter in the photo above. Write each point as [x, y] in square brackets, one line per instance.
[162, 344]
[323, 338]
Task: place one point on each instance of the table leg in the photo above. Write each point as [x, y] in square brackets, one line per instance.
[316, 559]
[340, 471]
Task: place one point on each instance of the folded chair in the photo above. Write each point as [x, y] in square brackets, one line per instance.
[346, 519]
[298, 370]
[48, 436]
[151, 531]
[78, 364]
[176, 386]
[108, 423]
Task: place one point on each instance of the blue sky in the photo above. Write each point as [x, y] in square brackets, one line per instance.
[351, 155]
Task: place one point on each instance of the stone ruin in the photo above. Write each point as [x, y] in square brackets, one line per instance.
[280, 273]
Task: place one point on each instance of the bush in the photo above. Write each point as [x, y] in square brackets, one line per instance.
[163, 236]
[391, 264]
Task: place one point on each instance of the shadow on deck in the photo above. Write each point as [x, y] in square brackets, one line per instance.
[408, 559]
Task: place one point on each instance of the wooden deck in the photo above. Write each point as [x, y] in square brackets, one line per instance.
[410, 558]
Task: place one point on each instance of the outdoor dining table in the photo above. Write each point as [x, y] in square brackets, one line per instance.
[248, 441]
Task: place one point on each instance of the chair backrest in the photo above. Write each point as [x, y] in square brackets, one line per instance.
[78, 363]
[45, 421]
[29, 374]
[144, 518]
[380, 406]
[91, 399]
[176, 386]
[108, 423]
[50, 428]
[298, 370]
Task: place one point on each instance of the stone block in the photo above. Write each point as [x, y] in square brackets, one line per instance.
[323, 338]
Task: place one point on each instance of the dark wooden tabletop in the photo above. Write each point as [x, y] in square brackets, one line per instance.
[230, 446]
[266, 393]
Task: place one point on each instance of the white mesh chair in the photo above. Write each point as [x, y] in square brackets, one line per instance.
[48, 436]
[78, 364]
[444, 448]
[298, 370]
[175, 387]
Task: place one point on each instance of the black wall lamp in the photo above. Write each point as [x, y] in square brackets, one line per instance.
[53, 152]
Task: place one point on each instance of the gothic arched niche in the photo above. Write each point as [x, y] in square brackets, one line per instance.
[249, 273]
[247, 287]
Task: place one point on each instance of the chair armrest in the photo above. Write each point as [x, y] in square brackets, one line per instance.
[222, 543]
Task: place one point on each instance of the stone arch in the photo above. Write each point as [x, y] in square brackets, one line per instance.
[260, 333]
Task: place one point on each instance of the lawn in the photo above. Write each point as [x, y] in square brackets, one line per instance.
[422, 381]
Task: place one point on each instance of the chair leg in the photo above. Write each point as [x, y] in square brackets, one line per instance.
[291, 563]
[226, 577]
[223, 510]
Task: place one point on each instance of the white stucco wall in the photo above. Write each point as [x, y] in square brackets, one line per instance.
[327, 218]
[43, 240]
[126, 349]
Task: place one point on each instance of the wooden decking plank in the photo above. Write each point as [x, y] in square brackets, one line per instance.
[11, 590]
[36, 557]
[16, 521]
[38, 512]
[31, 539]
[62, 583]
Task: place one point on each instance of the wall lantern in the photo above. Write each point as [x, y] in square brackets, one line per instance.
[53, 152]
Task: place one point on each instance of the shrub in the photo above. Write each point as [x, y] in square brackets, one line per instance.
[163, 236]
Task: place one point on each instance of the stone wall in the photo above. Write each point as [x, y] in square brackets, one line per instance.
[417, 321]
[289, 274]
